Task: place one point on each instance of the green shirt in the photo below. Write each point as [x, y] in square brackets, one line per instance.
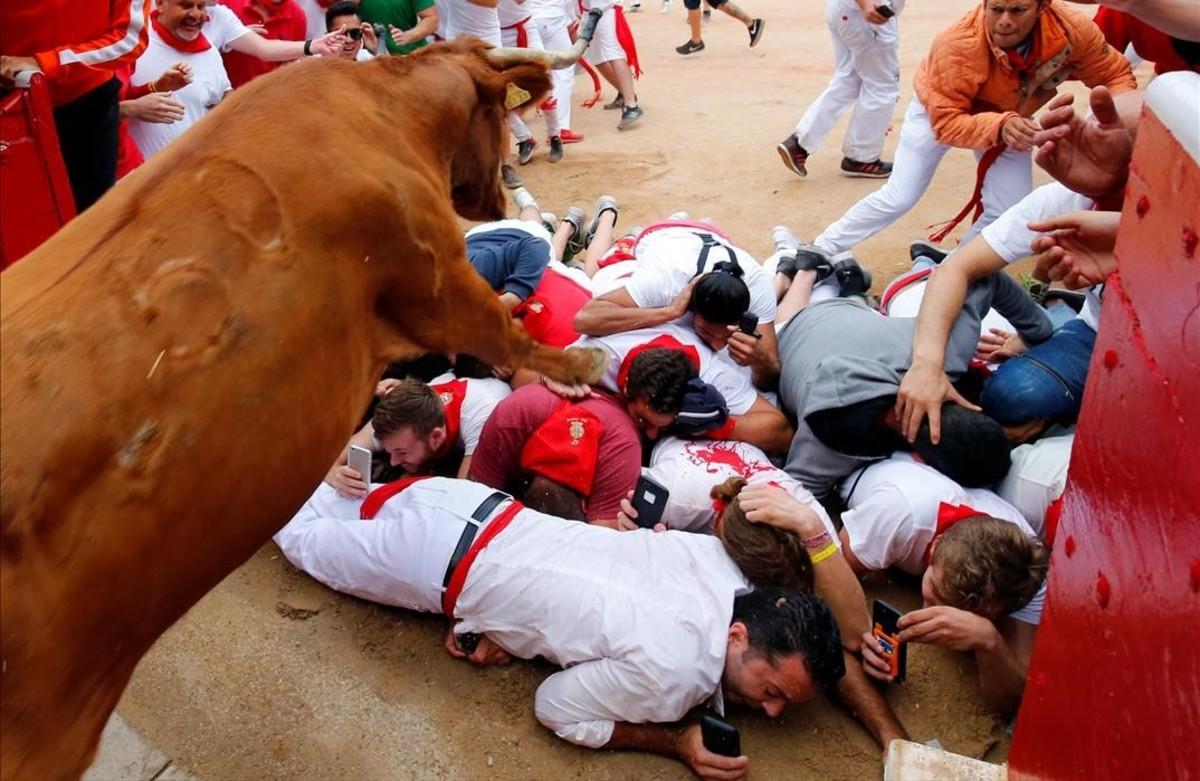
[400, 13]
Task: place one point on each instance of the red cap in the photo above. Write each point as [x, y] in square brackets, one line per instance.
[565, 448]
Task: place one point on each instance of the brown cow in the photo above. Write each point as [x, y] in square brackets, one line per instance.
[183, 361]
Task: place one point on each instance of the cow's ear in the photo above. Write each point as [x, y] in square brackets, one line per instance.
[525, 85]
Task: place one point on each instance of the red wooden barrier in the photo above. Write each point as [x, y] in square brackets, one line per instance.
[35, 194]
[1114, 687]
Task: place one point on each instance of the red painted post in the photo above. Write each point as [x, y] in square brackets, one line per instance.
[1114, 687]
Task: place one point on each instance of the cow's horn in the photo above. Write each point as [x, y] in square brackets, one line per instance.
[504, 56]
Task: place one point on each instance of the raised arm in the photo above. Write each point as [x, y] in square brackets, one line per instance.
[616, 312]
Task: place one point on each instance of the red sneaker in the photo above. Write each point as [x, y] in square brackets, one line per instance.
[570, 137]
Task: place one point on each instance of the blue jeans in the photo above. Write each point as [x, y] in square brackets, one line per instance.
[1046, 382]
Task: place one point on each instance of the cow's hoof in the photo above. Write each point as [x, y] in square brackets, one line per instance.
[589, 363]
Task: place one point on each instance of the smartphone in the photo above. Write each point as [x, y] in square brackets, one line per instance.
[467, 642]
[719, 736]
[359, 459]
[885, 11]
[748, 324]
[649, 499]
[885, 629]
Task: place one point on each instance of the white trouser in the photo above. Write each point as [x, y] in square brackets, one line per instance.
[520, 130]
[604, 46]
[554, 35]
[866, 73]
[917, 157]
[469, 19]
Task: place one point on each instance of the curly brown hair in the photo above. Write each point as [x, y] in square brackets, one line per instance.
[984, 559]
[764, 554]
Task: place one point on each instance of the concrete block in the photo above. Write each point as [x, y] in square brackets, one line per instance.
[908, 761]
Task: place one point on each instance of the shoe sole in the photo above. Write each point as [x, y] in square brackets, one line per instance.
[756, 38]
[863, 175]
[786, 157]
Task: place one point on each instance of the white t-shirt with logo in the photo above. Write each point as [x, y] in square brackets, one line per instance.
[689, 469]
[667, 261]
[209, 84]
[732, 381]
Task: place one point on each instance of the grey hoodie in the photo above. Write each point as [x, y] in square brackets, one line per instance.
[840, 352]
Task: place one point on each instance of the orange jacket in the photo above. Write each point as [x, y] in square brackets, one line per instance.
[77, 43]
[970, 88]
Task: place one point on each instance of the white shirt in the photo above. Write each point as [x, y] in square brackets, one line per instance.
[209, 84]
[315, 15]
[667, 259]
[689, 469]
[894, 508]
[639, 620]
[732, 381]
[1010, 238]
[511, 13]
[1038, 476]
[478, 404]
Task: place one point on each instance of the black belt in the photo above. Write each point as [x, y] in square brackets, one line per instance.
[480, 515]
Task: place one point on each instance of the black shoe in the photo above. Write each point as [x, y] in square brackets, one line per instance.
[629, 116]
[556, 149]
[926, 249]
[876, 169]
[853, 278]
[756, 31]
[793, 155]
[525, 151]
[617, 102]
[807, 258]
[691, 47]
[512, 180]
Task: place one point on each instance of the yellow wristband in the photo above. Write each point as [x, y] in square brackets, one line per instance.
[825, 553]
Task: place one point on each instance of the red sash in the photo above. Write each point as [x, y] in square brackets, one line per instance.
[976, 202]
[664, 340]
[522, 32]
[200, 44]
[376, 499]
[459, 578]
[452, 395]
[948, 515]
[691, 224]
[625, 38]
[899, 283]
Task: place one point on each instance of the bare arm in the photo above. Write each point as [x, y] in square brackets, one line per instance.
[925, 385]
[677, 742]
[617, 312]
[1003, 663]
[765, 426]
[269, 50]
[866, 702]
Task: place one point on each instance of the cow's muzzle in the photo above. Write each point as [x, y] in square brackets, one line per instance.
[502, 57]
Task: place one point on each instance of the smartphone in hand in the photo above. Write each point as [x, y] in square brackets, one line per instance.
[359, 459]
[885, 628]
[649, 499]
[719, 736]
[748, 324]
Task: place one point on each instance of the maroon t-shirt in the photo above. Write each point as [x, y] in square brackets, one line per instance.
[497, 459]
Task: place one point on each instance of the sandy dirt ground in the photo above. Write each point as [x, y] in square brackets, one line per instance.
[274, 676]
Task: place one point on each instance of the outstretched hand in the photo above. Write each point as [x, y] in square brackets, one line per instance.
[1077, 247]
[1088, 155]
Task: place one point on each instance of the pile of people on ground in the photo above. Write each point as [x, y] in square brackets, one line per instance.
[790, 432]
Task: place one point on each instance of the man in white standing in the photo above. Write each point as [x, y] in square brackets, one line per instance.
[866, 73]
[647, 626]
[195, 32]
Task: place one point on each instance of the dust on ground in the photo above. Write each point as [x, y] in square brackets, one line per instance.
[273, 675]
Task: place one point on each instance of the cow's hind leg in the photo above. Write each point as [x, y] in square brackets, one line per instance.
[470, 319]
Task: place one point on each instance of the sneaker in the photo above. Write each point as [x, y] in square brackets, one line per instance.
[605, 203]
[617, 102]
[629, 117]
[783, 238]
[574, 217]
[512, 180]
[853, 278]
[550, 222]
[666, 6]
[1036, 288]
[926, 249]
[810, 257]
[691, 47]
[556, 149]
[524, 199]
[793, 155]
[756, 31]
[570, 136]
[635, 7]
[525, 151]
[876, 169]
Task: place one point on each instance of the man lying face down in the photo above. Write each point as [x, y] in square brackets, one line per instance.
[648, 626]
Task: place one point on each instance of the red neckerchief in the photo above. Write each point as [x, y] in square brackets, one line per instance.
[1025, 66]
[664, 340]
[201, 43]
[948, 515]
[376, 499]
[452, 394]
